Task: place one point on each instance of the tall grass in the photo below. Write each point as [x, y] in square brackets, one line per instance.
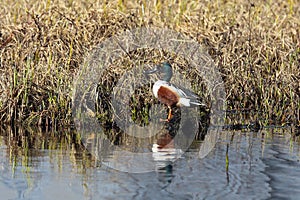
[255, 45]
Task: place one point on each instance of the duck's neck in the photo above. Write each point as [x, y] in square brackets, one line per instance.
[168, 74]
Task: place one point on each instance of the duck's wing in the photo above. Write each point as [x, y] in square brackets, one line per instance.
[183, 92]
[185, 95]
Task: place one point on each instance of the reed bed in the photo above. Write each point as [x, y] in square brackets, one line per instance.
[255, 45]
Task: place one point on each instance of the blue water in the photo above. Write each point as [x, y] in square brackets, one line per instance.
[261, 165]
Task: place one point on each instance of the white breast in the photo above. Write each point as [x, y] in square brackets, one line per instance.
[157, 85]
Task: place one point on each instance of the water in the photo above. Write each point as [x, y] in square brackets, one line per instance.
[261, 165]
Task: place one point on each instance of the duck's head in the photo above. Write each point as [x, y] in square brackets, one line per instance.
[164, 68]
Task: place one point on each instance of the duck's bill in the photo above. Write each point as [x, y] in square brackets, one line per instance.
[152, 71]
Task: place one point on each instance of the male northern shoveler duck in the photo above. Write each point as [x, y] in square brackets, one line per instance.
[170, 94]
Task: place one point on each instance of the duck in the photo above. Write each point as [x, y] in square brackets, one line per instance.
[170, 94]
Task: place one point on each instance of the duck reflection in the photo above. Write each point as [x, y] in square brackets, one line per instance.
[164, 154]
[164, 150]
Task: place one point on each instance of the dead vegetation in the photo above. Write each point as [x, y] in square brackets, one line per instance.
[255, 45]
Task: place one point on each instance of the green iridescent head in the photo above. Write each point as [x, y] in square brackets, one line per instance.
[167, 70]
[164, 68]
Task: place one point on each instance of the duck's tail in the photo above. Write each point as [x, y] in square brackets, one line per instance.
[190, 102]
[197, 103]
[185, 102]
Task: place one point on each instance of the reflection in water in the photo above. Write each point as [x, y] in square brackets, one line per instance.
[54, 165]
[144, 149]
[164, 154]
[30, 159]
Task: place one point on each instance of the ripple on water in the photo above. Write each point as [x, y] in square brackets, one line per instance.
[261, 166]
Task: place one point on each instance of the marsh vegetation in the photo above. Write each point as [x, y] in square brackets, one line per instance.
[255, 46]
